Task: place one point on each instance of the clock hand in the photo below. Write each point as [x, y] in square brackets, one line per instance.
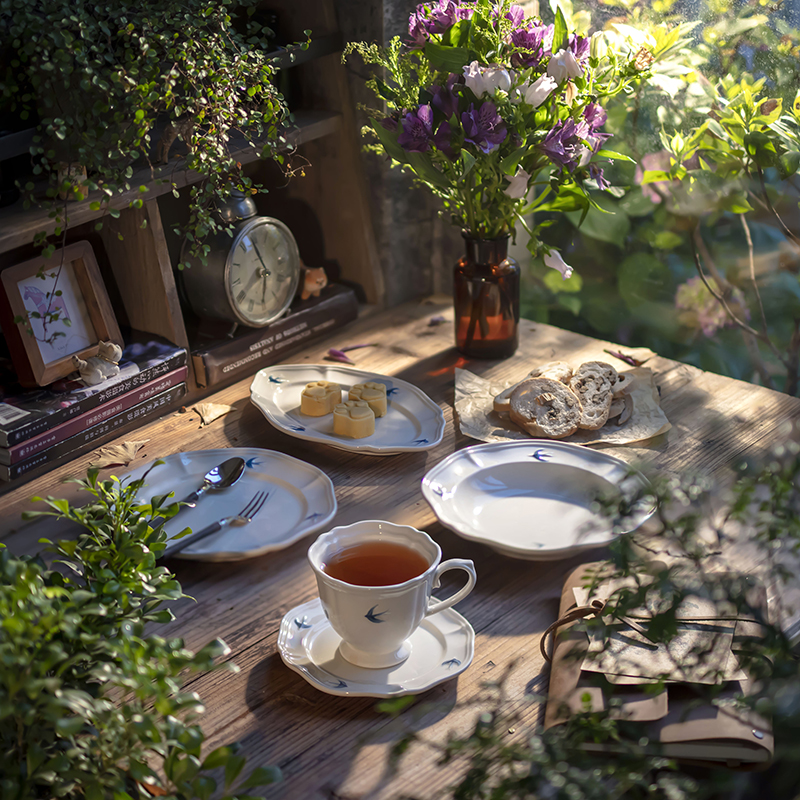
[267, 273]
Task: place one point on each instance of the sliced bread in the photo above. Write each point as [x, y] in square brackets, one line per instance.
[593, 384]
[545, 407]
[557, 370]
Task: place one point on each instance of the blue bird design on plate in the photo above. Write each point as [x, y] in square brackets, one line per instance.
[313, 516]
[296, 428]
[339, 685]
[453, 662]
[373, 617]
[252, 462]
[541, 455]
[301, 623]
[420, 441]
[391, 391]
[274, 379]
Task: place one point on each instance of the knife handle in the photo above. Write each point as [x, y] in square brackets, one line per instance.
[178, 544]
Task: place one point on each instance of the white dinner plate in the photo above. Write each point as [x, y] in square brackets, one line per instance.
[301, 500]
[412, 422]
[441, 648]
[531, 500]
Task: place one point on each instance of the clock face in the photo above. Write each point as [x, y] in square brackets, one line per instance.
[263, 270]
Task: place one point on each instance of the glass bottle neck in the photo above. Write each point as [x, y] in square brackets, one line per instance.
[486, 251]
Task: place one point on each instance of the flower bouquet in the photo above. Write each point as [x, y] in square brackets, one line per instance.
[499, 115]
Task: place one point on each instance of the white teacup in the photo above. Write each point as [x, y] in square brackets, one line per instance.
[375, 622]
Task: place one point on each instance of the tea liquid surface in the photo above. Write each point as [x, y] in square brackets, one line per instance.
[375, 564]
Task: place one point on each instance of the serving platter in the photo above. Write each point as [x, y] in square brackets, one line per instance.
[534, 499]
[301, 500]
[412, 422]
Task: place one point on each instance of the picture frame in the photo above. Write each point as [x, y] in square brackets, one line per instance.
[38, 357]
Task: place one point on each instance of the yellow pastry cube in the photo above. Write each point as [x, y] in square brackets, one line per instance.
[354, 418]
[320, 398]
[373, 393]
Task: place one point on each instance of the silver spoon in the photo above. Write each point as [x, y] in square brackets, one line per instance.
[220, 477]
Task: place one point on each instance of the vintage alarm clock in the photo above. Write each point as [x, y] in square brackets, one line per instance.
[250, 278]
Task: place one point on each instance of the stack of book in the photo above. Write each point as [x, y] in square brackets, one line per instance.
[43, 425]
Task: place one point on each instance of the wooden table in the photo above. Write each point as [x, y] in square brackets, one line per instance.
[337, 747]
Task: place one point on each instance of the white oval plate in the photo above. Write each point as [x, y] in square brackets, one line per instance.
[412, 422]
[530, 500]
[441, 648]
[301, 500]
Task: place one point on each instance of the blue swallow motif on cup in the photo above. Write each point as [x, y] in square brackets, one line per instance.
[301, 623]
[252, 462]
[453, 662]
[276, 379]
[391, 391]
[541, 455]
[373, 617]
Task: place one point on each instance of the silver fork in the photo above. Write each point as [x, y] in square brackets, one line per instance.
[247, 514]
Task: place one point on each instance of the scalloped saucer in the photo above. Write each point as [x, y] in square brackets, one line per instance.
[441, 648]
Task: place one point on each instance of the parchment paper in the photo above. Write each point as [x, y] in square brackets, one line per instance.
[477, 418]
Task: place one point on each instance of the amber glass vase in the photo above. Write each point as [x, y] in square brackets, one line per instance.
[486, 299]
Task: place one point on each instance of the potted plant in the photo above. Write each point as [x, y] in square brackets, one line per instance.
[98, 81]
[499, 115]
[91, 704]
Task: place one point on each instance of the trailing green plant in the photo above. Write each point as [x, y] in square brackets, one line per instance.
[699, 526]
[91, 700]
[98, 79]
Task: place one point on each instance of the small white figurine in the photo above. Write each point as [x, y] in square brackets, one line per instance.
[98, 368]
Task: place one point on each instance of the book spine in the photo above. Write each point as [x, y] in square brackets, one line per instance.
[26, 430]
[75, 425]
[247, 354]
[132, 418]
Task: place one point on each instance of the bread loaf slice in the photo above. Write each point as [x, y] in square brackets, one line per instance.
[545, 407]
[557, 370]
[593, 383]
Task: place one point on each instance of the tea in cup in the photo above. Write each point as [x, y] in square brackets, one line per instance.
[375, 581]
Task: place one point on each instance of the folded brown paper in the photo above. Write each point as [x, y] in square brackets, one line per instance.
[713, 734]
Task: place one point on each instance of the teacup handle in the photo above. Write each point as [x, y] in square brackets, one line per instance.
[453, 563]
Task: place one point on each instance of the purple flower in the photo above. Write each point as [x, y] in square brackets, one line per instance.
[595, 115]
[516, 14]
[443, 140]
[530, 42]
[417, 130]
[444, 98]
[484, 127]
[417, 30]
[579, 45]
[563, 144]
[441, 16]
[597, 173]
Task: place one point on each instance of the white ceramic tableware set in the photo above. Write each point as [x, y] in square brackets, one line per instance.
[526, 499]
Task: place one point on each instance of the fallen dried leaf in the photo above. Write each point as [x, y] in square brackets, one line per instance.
[210, 411]
[634, 362]
[437, 320]
[117, 455]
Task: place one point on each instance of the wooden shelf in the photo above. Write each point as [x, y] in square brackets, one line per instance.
[18, 225]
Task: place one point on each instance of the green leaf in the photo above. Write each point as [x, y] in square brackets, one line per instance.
[615, 155]
[233, 766]
[447, 59]
[560, 32]
[599, 224]
[261, 776]
[655, 176]
[736, 203]
[423, 166]
[458, 35]
[789, 163]
[389, 142]
[467, 163]
[510, 163]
